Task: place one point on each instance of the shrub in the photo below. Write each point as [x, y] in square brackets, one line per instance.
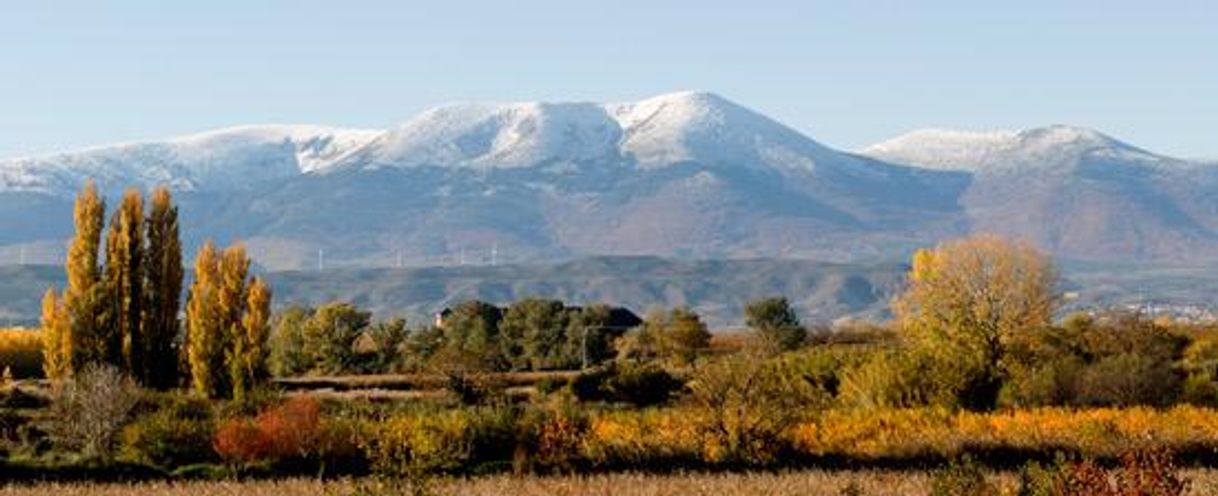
[169, 438]
[640, 385]
[286, 432]
[961, 478]
[21, 353]
[89, 412]
[748, 407]
[415, 444]
[550, 385]
[1128, 379]
[1140, 473]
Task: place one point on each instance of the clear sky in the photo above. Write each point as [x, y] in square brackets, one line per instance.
[847, 73]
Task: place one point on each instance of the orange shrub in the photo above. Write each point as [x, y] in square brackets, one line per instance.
[290, 430]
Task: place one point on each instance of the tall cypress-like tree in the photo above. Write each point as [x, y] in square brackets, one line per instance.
[163, 274]
[56, 338]
[83, 297]
[205, 326]
[125, 281]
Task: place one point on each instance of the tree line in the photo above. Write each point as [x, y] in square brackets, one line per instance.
[123, 299]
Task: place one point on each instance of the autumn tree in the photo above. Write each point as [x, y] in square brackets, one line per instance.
[968, 299]
[249, 353]
[227, 318]
[776, 324]
[205, 326]
[125, 282]
[84, 296]
[163, 274]
[56, 338]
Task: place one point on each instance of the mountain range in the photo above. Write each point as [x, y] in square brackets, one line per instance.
[687, 175]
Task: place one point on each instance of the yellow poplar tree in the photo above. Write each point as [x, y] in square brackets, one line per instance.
[125, 281]
[81, 298]
[56, 338]
[204, 325]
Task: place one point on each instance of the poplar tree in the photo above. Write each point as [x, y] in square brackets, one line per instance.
[248, 366]
[205, 329]
[82, 298]
[163, 274]
[56, 338]
[227, 324]
[125, 282]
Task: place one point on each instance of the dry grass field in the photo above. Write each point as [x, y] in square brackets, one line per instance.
[1202, 482]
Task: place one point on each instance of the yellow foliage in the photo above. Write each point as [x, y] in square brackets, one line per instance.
[914, 432]
[21, 352]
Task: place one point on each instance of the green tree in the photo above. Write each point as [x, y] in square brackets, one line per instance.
[676, 334]
[289, 356]
[591, 334]
[471, 337]
[533, 335]
[776, 324]
[330, 336]
[163, 273]
[388, 339]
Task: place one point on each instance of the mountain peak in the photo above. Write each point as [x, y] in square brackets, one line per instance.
[1048, 147]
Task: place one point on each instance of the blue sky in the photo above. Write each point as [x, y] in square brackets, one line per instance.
[846, 73]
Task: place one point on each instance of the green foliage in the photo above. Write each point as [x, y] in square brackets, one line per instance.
[330, 335]
[640, 385]
[1115, 359]
[387, 339]
[903, 379]
[471, 337]
[748, 405]
[534, 335]
[677, 335]
[289, 356]
[179, 433]
[776, 324]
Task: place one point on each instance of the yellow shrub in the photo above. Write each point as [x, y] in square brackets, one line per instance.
[915, 432]
[21, 352]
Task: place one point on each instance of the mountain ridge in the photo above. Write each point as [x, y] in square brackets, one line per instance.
[688, 174]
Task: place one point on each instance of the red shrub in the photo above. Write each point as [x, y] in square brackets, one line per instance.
[290, 430]
[239, 440]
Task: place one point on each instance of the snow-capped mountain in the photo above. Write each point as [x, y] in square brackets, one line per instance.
[219, 160]
[1074, 190]
[688, 174]
[1047, 148]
